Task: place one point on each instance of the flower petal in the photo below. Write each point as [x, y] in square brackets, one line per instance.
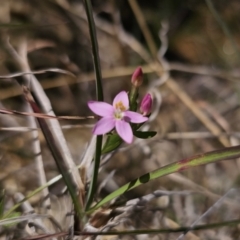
[122, 97]
[101, 108]
[104, 125]
[137, 77]
[124, 130]
[146, 104]
[135, 117]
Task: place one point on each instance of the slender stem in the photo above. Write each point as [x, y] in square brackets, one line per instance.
[96, 62]
[143, 25]
[133, 98]
[165, 230]
[92, 189]
[201, 159]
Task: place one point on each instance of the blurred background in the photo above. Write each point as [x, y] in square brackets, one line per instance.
[195, 84]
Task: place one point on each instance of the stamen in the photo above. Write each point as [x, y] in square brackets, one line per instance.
[119, 105]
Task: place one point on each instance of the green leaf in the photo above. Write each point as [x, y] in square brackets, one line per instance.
[31, 194]
[12, 216]
[99, 89]
[113, 142]
[144, 135]
[206, 158]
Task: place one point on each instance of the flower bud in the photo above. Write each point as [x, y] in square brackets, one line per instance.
[146, 105]
[137, 77]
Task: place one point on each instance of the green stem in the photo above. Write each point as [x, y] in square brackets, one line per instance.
[201, 159]
[133, 98]
[164, 230]
[93, 184]
[99, 89]
[96, 60]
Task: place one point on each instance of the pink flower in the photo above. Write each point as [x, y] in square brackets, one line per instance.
[116, 115]
[146, 104]
[137, 77]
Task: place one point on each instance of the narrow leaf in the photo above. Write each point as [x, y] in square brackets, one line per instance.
[210, 157]
[9, 221]
[144, 135]
[57, 155]
[113, 142]
[144, 231]
[99, 89]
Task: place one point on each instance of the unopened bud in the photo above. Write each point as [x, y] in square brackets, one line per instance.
[137, 77]
[146, 104]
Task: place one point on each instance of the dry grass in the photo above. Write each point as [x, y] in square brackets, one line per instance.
[193, 76]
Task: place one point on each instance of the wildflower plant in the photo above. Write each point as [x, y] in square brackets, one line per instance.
[116, 115]
[119, 122]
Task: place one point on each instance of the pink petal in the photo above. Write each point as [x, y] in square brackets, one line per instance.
[104, 125]
[137, 77]
[122, 97]
[146, 104]
[124, 130]
[135, 117]
[101, 108]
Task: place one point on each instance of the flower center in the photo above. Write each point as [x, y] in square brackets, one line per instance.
[119, 109]
[119, 106]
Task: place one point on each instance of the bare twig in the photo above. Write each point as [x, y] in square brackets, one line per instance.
[180, 179]
[233, 75]
[215, 206]
[27, 129]
[21, 74]
[38, 160]
[43, 101]
[32, 122]
[27, 209]
[182, 95]
[45, 116]
[141, 21]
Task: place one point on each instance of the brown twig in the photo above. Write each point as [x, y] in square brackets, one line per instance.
[182, 95]
[45, 116]
[39, 94]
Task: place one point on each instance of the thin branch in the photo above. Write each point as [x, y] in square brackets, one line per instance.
[21, 74]
[45, 116]
[215, 206]
[99, 90]
[232, 75]
[43, 101]
[143, 25]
